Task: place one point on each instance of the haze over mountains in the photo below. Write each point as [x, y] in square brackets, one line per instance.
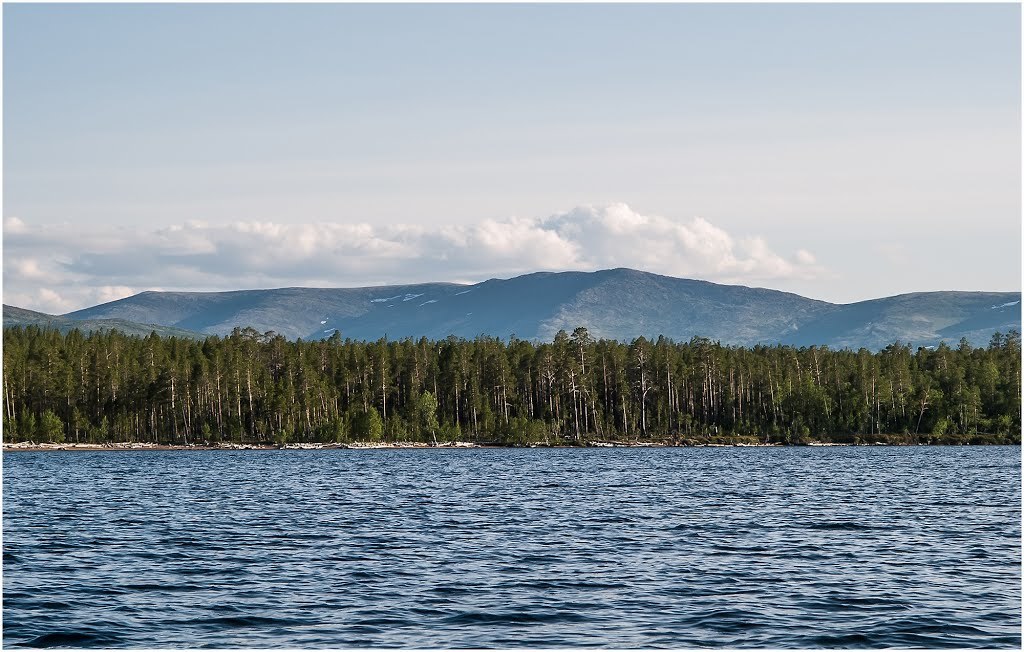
[618, 303]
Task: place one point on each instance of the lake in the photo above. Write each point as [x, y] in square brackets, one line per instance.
[669, 547]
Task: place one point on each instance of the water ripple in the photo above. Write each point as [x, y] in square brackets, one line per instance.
[830, 547]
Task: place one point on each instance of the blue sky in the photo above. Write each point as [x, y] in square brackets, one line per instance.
[840, 151]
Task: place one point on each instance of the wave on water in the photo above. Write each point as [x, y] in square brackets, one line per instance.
[71, 638]
[858, 547]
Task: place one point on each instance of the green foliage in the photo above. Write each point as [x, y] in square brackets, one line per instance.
[256, 387]
[368, 426]
[283, 436]
[50, 428]
[27, 426]
[427, 415]
[339, 429]
[450, 433]
[100, 432]
[523, 432]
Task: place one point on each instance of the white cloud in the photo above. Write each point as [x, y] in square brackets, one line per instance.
[109, 293]
[42, 299]
[28, 269]
[13, 225]
[617, 236]
[85, 266]
[805, 257]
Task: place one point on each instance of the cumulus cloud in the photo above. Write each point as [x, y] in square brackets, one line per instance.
[64, 267]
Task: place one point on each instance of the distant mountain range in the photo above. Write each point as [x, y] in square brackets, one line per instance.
[618, 303]
[14, 316]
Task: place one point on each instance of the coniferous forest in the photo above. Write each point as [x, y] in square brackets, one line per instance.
[260, 388]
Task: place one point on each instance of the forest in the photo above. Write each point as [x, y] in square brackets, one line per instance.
[260, 388]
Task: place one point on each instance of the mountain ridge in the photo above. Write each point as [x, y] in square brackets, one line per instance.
[617, 303]
[15, 316]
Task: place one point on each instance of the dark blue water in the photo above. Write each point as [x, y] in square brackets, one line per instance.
[794, 547]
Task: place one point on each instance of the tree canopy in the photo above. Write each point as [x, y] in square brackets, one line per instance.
[253, 387]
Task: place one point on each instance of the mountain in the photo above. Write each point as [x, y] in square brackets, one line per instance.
[14, 316]
[923, 318]
[618, 303]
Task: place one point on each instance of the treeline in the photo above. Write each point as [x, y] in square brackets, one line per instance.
[255, 387]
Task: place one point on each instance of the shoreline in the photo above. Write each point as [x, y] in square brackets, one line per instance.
[30, 447]
[137, 446]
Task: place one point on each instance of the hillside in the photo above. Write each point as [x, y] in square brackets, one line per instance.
[14, 316]
[923, 318]
[615, 304]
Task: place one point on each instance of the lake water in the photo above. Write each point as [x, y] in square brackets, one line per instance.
[736, 547]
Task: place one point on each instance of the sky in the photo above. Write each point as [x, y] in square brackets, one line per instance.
[843, 152]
